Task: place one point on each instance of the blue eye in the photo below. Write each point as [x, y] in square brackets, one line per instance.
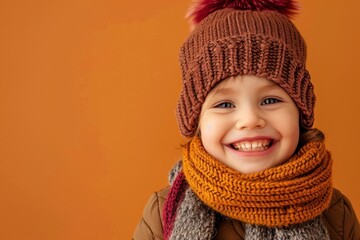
[270, 101]
[225, 105]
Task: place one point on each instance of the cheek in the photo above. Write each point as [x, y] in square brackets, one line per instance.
[289, 125]
[211, 138]
[211, 132]
[207, 130]
[211, 127]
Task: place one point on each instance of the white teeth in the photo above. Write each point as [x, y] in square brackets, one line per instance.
[252, 146]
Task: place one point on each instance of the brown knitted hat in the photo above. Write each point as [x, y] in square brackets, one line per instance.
[229, 42]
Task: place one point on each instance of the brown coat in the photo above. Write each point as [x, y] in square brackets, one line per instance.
[339, 218]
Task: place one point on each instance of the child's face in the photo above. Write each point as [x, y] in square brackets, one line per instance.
[249, 123]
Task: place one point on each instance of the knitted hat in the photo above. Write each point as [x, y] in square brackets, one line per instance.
[242, 37]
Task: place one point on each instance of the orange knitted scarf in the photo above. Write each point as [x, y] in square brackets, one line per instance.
[295, 192]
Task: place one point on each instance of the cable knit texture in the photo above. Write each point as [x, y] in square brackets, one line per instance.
[292, 193]
[230, 42]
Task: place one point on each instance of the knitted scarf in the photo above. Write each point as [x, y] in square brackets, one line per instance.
[283, 202]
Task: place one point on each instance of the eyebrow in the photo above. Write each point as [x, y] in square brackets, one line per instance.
[224, 90]
[229, 90]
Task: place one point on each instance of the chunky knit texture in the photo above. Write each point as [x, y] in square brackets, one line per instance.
[193, 217]
[292, 193]
[313, 229]
[195, 220]
[230, 42]
[174, 200]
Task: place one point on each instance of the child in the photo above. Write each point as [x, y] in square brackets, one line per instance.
[254, 167]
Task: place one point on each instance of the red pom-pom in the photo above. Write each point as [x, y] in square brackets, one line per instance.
[202, 8]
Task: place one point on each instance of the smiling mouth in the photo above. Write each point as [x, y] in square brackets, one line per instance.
[251, 146]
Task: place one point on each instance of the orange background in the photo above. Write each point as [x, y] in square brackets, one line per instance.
[87, 97]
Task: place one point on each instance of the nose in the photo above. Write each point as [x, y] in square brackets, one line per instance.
[249, 118]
